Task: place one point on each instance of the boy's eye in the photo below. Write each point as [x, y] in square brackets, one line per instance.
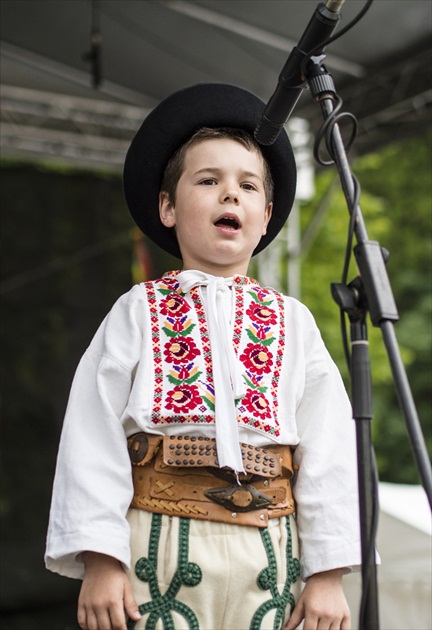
[208, 182]
[248, 186]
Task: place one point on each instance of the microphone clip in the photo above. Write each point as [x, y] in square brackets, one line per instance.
[320, 81]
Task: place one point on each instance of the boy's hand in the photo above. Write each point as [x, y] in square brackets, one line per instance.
[106, 595]
[322, 604]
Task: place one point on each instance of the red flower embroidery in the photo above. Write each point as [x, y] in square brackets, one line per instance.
[178, 326]
[262, 295]
[180, 350]
[262, 332]
[262, 314]
[257, 358]
[183, 398]
[257, 404]
[184, 373]
[174, 305]
[169, 283]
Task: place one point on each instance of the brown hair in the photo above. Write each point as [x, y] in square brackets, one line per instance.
[175, 166]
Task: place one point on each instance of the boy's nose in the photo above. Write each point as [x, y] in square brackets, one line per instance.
[230, 197]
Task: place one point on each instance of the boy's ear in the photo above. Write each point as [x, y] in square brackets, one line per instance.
[267, 217]
[166, 210]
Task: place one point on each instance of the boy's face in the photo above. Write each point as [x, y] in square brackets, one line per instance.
[220, 212]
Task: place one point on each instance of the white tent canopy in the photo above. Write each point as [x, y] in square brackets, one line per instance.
[404, 576]
[147, 50]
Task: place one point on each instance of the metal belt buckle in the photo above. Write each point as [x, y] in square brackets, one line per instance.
[138, 447]
[243, 498]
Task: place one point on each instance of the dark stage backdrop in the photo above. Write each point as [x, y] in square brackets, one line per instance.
[68, 254]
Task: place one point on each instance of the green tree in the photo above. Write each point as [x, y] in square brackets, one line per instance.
[396, 205]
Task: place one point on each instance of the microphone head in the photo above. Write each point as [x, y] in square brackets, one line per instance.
[266, 132]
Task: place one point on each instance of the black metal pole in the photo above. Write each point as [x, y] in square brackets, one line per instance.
[351, 300]
[378, 299]
[371, 264]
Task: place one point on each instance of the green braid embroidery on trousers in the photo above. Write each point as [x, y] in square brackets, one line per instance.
[267, 580]
[187, 574]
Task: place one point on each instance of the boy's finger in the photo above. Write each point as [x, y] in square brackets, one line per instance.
[116, 619]
[295, 619]
[91, 621]
[346, 623]
[82, 618]
[133, 612]
[130, 605]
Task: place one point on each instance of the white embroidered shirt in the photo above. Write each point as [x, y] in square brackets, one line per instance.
[153, 366]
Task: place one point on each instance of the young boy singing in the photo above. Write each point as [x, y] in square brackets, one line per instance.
[207, 461]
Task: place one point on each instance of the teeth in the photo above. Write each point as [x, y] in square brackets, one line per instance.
[228, 221]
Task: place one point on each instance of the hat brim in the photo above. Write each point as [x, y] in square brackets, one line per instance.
[170, 125]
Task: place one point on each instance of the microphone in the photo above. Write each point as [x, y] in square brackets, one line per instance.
[291, 82]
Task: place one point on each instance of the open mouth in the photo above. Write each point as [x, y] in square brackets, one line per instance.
[228, 221]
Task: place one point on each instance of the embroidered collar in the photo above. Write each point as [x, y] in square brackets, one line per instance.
[236, 279]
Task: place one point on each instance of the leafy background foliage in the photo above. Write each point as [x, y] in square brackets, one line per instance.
[396, 187]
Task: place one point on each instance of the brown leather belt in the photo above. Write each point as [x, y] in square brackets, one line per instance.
[179, 476]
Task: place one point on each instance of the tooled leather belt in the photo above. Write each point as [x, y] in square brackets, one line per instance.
[180, 476]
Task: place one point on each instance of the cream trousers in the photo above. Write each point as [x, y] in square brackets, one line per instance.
[200, 575]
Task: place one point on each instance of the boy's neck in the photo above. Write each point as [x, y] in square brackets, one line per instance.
[214, 270]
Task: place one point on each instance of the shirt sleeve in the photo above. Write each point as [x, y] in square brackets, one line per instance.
[93, 486]
[326, 488]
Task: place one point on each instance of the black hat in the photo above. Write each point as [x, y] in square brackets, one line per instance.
[170, 125]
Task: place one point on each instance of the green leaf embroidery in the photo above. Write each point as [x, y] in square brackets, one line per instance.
[179, 381]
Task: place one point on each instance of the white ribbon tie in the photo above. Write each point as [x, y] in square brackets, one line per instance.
[218, 300]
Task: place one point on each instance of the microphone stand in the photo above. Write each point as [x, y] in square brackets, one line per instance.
[370, 291]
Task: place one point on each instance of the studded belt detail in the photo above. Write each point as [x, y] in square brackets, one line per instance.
[179, 475]
[199, 451]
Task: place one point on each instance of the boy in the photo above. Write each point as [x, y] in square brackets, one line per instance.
[206, 382]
